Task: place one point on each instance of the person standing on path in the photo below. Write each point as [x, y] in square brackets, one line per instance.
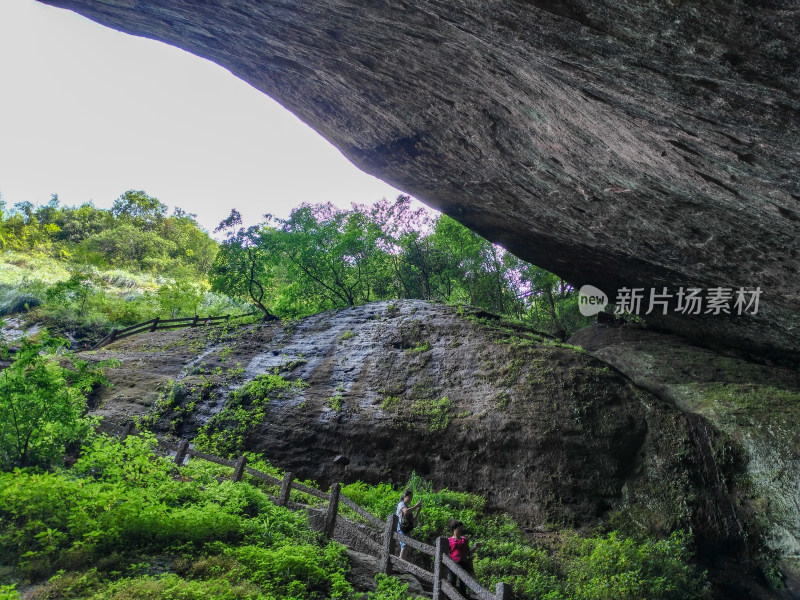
[407, 516]
[460, 553]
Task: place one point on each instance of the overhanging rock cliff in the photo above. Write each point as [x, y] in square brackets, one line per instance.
[651, 144]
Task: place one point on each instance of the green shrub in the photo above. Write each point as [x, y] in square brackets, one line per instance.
[171, 586]
[15, 300]
[121, 502]
[9, 592]
[42, 402]
[390, 588]
[614, 568]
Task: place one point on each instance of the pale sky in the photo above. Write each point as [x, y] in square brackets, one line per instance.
[88, 112]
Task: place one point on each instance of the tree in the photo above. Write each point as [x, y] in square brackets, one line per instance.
[129, 244]
[42, 402]
[322, 257]
[192, 245]
[78, 224]
[139, 209]
[179, 297]
[543, 287]
[243, 267]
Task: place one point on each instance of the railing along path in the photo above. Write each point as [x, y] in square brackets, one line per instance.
[158, 323]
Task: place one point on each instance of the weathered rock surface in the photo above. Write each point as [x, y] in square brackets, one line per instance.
[543, 430]
[615, 143]
[756, 409]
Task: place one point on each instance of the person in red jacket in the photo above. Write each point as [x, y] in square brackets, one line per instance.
[460, 553]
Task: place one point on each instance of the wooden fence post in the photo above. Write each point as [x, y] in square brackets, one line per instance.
[286, 489]
[437, 568]
[194, 321]
[180, 454]
[154, 326]
[502, 592]
[388, 544]
[112, 336]
[238, 468]
[333, 508]
[130, 429]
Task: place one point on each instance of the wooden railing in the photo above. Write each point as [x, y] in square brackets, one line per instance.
[158, 323]
[334, 523]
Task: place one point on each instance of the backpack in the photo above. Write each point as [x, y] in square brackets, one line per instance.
[406, 522]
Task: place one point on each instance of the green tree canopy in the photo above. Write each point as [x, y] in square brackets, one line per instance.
[139, 209]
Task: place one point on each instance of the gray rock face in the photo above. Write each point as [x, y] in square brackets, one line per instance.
[694, 440]
[621, 144]
[755, 407]
[542, 430]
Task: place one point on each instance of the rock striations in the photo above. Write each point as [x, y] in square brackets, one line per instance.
[651, 144]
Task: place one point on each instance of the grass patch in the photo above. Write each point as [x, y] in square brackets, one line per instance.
[419, 348]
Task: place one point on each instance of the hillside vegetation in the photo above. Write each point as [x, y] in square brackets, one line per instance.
[83, 515]
[81, 271]
[118, 521]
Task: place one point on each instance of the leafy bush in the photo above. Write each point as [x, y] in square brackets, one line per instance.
[9, 592]
[121, 503]
[42, 402]
[390, 588]
[615, 568]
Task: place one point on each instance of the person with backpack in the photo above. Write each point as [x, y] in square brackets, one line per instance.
[460, 553]
[407, 516]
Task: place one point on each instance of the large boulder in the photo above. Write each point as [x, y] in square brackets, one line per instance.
[644, 144]
[541, 429]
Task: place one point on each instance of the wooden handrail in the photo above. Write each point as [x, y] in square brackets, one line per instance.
[408, 567]
[127, 329]
[210, 458]
[158, 323]
[262, 476]
[416, 544]
[361, 511]
[310, 491]
[467, 578]
[449, 590]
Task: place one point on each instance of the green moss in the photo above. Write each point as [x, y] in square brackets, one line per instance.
[391, 403]
[502, 399]
[226, 432]
[423, 346]
[753, 398]
[434, 413]
[335, 401]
